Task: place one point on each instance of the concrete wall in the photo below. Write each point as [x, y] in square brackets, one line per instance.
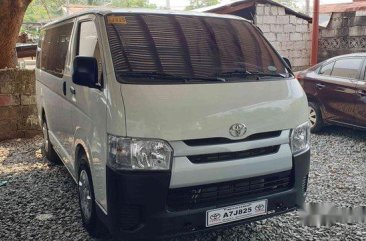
[289, 34]
[345, 33]
[18, 113]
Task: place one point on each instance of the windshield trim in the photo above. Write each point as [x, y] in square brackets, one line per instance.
[167, 81]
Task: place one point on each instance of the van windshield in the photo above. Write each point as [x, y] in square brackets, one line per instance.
[180, 48]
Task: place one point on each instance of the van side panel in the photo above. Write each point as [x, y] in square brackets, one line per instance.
[52, 83]
[57, 110]
[89, 116]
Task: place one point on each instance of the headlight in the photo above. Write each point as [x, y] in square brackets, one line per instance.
[300, 138]
[138, 154]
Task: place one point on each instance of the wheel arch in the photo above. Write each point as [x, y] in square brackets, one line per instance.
[43, 116]
[315, 100]
[80, 149]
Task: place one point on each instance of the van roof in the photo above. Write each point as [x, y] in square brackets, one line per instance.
[106, 11]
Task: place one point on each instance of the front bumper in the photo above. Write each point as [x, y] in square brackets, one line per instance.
[137, 204]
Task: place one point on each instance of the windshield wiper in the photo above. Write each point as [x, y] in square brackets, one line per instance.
[241, 73]
[151, 75]
[159, 76]
[202, 79]
[246, 73]
[261, 74]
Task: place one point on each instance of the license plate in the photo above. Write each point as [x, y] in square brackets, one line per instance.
[235, 213]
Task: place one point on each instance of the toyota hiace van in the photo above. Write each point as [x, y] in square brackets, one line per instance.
[171, 122]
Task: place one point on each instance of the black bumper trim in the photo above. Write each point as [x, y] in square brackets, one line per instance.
[137, 208]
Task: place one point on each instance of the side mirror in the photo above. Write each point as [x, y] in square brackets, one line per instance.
[287, 62]
[85, 71]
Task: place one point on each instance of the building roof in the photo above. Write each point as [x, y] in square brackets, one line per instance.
[343, 7]
[238, 5]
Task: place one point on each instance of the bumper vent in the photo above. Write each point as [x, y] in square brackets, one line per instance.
[129, 217]
[227, 156]
[305, 183]
[220, 141]
[220, 193]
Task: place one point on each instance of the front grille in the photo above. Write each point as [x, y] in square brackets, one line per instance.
[221, 140]
[226, 156]
[221, 193]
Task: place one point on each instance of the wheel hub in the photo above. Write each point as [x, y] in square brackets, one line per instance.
[85, 195]
[312, 116]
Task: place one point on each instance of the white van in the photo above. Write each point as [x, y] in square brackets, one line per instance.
[171, 122]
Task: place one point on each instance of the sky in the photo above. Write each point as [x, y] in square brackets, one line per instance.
[181, 4]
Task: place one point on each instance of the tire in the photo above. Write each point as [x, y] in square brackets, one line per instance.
[87, 205]
[47, 148]
[315, 118]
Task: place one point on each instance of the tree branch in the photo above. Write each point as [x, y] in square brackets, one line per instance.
[45, 6]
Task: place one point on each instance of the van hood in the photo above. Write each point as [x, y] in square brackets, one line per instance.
[194, 111]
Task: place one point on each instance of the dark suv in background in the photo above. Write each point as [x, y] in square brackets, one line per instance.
[336, 90]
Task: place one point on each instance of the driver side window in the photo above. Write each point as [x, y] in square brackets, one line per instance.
[88, 45]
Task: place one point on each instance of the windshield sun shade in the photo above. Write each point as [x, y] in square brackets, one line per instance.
[188, 47]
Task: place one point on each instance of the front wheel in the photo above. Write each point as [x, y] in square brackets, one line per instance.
[315, 118]
[87, 204]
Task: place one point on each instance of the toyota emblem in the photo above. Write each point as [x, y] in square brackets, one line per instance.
[237, 130]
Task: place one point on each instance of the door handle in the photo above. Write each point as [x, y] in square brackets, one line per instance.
[72, 90]
[362, 93]
[320, 86]
[64, 87]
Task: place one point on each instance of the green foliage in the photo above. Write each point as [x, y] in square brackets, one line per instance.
[40, 11]
[133, 4]
[201, 3]
[89, 2]
[46, 10]
[43, 10]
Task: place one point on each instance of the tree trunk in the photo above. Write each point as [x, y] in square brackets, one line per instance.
[11, 18]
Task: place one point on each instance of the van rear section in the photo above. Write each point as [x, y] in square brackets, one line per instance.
[216, 126]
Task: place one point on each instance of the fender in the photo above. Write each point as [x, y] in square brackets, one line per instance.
[80, 142]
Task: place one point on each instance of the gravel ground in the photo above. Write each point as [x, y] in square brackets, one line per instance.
[39, 200]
